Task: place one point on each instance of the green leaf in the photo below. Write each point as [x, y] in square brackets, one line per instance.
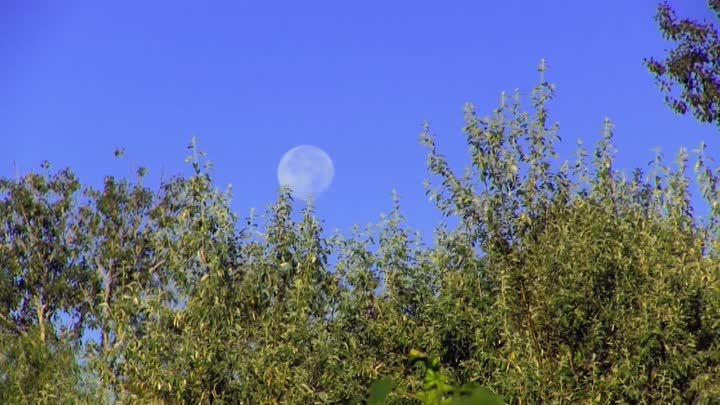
[479, 396]
[379, 390]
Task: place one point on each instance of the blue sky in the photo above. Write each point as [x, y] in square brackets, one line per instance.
[356, 78]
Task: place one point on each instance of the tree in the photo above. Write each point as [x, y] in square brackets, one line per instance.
[693, 65]
[603, 289]
[46, 289]
[562, 284]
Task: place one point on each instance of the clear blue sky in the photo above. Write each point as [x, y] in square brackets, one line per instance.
[356, 78]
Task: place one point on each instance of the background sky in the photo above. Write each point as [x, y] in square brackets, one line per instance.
[252, 79]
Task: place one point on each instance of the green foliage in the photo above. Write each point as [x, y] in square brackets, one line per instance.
[604, 289]
[563, 283]
[693, 65]
[36, 372]
[436, 388]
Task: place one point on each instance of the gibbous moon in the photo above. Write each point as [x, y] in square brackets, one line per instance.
[307, 170]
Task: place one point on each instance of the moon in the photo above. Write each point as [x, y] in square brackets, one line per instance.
[307, 170]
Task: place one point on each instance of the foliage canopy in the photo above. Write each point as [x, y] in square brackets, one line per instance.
[564, 282]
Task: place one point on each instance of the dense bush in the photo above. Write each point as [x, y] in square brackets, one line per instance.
[561, 284]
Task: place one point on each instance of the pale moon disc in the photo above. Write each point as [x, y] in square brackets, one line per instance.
[306, 170]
